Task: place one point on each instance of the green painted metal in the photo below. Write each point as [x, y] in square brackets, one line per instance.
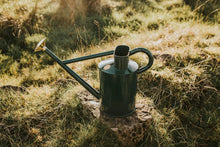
[118, 77]
[73, 74]
[118, 81]
[149, 54]
[88, 57]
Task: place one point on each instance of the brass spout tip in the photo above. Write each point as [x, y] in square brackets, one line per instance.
[40, 46]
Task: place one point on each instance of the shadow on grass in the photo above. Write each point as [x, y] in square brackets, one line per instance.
[56, 123]
[206, 9]
[190, 106]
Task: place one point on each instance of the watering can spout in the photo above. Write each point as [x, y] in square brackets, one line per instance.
[41, 46]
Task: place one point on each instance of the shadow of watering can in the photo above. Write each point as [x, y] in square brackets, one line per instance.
[118, 77]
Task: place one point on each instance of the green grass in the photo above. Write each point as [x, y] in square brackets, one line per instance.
[182, 86]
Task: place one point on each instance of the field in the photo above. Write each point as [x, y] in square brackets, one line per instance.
[38, 107]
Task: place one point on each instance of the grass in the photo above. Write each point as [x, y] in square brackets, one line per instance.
[55, 111]
[182, 86]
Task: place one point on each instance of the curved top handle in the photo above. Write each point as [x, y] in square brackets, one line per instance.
[149, 54]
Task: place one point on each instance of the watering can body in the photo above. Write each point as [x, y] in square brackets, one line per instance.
[118, 78]
[118, 83]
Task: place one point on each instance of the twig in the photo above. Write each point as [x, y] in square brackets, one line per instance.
[216, 10]
[201, 5]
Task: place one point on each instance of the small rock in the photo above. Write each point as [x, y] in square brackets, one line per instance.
[21, 89]
[164, 57]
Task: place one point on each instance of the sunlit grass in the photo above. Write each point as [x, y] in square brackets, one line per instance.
[182, 86]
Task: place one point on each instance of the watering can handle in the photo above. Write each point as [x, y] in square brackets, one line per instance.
[150, 56]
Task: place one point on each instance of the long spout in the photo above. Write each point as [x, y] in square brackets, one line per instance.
[42, 47]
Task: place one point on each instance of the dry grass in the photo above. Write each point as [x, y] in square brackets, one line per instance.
[49, 116]
[182, 86]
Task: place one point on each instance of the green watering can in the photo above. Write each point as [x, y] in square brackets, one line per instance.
[118, 77]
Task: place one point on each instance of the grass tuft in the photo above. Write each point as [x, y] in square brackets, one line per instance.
[182, 86]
